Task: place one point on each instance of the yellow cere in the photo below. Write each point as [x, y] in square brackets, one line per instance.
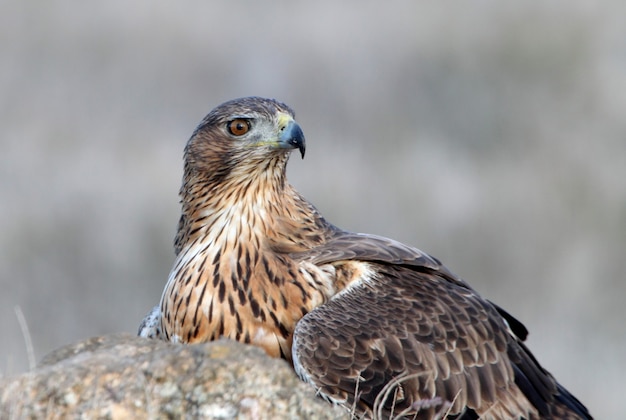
[283, 119]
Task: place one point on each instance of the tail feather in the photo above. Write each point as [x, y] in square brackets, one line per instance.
[566, 403]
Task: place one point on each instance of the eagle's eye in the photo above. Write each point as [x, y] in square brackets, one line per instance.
[238, 126]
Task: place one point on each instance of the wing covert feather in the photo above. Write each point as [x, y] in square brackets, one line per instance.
[341, 245]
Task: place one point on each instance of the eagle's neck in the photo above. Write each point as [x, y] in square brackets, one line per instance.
[253, 203]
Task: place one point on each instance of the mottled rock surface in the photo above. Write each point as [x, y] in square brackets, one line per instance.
[122, 376]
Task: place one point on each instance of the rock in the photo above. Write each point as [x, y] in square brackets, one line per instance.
[122, 376]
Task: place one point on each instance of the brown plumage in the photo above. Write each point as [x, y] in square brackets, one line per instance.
[373, 324]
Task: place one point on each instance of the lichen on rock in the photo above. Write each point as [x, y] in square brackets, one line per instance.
[122, 376]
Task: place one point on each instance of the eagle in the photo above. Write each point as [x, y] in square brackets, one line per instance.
[377, 326]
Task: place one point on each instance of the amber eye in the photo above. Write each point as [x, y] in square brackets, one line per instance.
[238, 127]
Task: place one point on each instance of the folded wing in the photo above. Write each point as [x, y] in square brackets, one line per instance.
[410, 337]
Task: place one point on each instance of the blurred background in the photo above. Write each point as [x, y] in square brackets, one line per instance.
[491, 135]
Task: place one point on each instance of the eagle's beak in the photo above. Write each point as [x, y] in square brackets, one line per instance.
[291, 136]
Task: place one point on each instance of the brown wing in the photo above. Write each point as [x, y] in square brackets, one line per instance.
[341, 245]
[424, 336]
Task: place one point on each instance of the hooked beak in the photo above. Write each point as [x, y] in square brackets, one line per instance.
[291, 136]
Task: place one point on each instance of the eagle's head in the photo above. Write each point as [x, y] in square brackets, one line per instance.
[246, 136]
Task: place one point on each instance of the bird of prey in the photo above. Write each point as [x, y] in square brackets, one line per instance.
[377, 326]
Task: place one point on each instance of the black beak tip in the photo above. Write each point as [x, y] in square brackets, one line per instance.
[296, 139]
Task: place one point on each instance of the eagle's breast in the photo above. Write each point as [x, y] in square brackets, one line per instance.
[232, 280]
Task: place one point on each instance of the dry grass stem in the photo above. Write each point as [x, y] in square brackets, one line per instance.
[30, 350]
